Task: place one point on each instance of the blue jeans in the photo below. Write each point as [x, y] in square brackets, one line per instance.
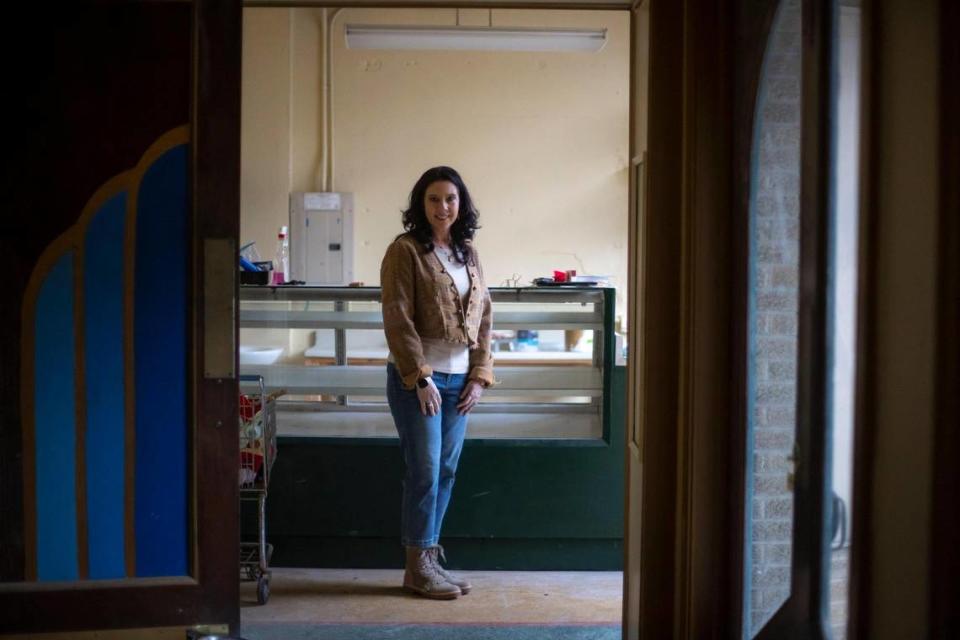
[431, 447]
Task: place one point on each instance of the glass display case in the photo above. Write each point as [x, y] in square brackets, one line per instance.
[553, 359]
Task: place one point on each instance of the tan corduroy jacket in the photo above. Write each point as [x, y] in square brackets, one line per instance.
[420, 300]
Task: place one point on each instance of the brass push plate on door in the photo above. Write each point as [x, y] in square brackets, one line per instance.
[219, 308]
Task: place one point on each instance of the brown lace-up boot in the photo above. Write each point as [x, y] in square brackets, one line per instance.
[436, 554]
[421, 576]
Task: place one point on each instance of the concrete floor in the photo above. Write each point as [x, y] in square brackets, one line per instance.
[374, 596]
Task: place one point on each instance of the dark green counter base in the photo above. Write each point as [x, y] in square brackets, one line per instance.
[520, 505]
[463, 553]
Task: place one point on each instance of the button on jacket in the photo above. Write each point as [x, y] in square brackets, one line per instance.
[420, 300]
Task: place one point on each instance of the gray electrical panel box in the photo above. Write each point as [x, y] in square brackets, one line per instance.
[321, 237]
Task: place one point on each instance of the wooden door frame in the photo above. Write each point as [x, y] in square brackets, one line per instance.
[941, 612]
[703, 605]
[688, 273]
[944, 525]
[945, 554]
[210, 595]
[658, 329]
[861, 575]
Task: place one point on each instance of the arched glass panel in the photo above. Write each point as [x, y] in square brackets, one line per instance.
[773, 272]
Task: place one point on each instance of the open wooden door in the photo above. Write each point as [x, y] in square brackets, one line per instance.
[799, 213]
[676, 567]
[118, 496]
[679, 424]
[639, 74]
[656, 135]
[798, 235]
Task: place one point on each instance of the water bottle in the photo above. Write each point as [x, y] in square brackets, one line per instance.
[281, 264]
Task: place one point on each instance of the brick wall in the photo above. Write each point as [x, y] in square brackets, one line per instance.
[775, 219]
[839, 586]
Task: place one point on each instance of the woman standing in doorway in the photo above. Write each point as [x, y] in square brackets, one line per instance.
[437, 317]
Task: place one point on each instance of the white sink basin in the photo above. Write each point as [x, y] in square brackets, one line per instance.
[259, 355]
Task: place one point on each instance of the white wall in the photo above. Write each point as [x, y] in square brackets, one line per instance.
[541, 139]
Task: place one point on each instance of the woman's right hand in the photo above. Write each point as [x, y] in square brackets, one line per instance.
[429, 397]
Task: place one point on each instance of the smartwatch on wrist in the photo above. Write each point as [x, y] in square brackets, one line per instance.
[422, 382]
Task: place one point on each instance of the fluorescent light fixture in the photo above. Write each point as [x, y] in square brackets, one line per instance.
[473, 38]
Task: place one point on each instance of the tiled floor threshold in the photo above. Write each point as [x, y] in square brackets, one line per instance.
[344, 604]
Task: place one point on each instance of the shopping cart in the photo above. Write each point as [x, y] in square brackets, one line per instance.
[258, 450]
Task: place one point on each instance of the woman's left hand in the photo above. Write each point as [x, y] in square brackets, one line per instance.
[469, 397]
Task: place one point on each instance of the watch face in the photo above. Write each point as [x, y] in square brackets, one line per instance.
[422, 383]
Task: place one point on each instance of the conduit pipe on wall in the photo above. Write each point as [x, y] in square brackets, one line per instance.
[328, 139]
[291, 92]
[324, 107]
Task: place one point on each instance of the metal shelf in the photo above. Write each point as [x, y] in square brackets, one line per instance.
[367, 380]
[537, 400]
[258, 293]
[512, 320]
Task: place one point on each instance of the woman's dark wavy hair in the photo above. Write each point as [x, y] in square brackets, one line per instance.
[415, 217]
